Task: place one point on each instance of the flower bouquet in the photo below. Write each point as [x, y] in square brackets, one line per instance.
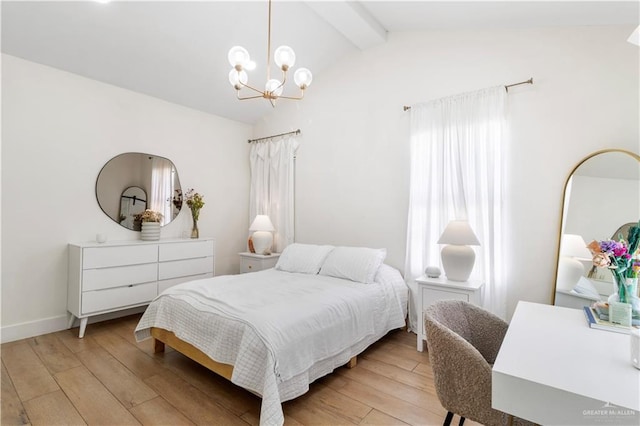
[622, 259]
[195, 201]
[148, 216]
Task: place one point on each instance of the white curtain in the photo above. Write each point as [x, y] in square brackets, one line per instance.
[457, 147]
[161, 188]
[272, 186]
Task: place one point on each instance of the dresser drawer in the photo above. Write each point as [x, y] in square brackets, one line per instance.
[96, 279]
[181, 268]
[102, 257]
[116, 298]
[165, 284]
[185, 250]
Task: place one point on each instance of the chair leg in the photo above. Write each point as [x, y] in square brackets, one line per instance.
[447, 420]
[461, 421]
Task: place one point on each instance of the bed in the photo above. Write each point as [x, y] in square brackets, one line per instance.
[276, 331]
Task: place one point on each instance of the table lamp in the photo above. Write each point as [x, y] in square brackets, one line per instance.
[457, 257]
[262, 237]
[573, 252]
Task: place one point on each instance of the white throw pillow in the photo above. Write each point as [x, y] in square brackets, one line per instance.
[303, 258]
[358, 264]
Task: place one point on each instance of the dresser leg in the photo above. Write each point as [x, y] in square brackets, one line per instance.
[83, 326]
[420, 344]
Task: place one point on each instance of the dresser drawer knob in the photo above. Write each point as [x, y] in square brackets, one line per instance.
[249, 266]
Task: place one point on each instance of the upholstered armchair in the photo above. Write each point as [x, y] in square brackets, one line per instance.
[463, 342]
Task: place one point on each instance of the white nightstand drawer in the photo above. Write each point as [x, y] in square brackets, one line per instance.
[96, 279]
[179, 268]
[165, 284]
[103, 257]
[251, 262]
[250, 265]
[186, 250]
[103, 300]
[430, 296]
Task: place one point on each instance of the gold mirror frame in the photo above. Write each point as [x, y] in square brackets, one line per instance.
[562, 207]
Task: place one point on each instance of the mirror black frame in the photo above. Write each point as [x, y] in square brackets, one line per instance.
[104, 189]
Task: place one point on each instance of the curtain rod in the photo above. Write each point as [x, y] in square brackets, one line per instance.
[506, 87]
[297, 132]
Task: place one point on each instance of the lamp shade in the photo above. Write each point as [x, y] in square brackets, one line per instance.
[572, 245]
[459, 232]
[262, 223]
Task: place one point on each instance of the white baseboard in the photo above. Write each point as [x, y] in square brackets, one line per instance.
[28, 329]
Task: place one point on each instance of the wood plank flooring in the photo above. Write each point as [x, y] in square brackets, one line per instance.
[109, 379]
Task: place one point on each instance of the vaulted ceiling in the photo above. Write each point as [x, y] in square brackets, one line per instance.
[177, 51]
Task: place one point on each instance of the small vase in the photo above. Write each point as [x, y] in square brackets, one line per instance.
[150, 231]
[195, 233]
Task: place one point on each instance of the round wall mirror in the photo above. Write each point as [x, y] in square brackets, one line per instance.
[601, 199]
[132, 182]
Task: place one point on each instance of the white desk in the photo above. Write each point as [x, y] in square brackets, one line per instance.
[553, 369]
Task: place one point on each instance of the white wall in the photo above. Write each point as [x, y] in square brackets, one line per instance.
[352, 167]
[599, 206]
[58, 130]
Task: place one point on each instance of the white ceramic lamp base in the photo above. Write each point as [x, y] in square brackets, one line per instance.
[457, 262]
[262, 241]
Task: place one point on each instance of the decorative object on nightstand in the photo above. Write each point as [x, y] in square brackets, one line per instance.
[431, 290]
[150, 225]
[195, 201]
[262, 234]
[457, 257]
[251, 262]
[432, 271]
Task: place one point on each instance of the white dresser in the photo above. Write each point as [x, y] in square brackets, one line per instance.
[124, 274]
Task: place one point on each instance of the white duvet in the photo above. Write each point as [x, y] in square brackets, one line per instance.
[279, 330]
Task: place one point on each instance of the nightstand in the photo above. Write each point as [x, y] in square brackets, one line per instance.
[251, 262]
[431, 290]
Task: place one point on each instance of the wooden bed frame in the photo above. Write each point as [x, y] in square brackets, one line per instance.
[162, 337]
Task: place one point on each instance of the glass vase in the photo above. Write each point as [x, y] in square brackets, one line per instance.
[195, 233]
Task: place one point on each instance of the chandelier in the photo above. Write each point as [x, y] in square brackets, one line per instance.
[284, 57]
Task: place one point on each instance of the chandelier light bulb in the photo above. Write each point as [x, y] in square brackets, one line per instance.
[238, 57]
[250, 65]
[303, 78]
[284, 57]
[273, 86]
[238, 78]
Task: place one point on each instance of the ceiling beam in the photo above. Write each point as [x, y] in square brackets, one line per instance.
[352, 20]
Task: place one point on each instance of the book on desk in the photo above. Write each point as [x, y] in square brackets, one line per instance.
[594, 321]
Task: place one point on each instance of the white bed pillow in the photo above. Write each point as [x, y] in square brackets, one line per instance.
[303, 258]
[358, 264]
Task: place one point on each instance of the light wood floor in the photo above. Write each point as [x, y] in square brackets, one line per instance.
[109, 379]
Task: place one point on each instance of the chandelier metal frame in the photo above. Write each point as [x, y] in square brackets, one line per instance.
[284, 57]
